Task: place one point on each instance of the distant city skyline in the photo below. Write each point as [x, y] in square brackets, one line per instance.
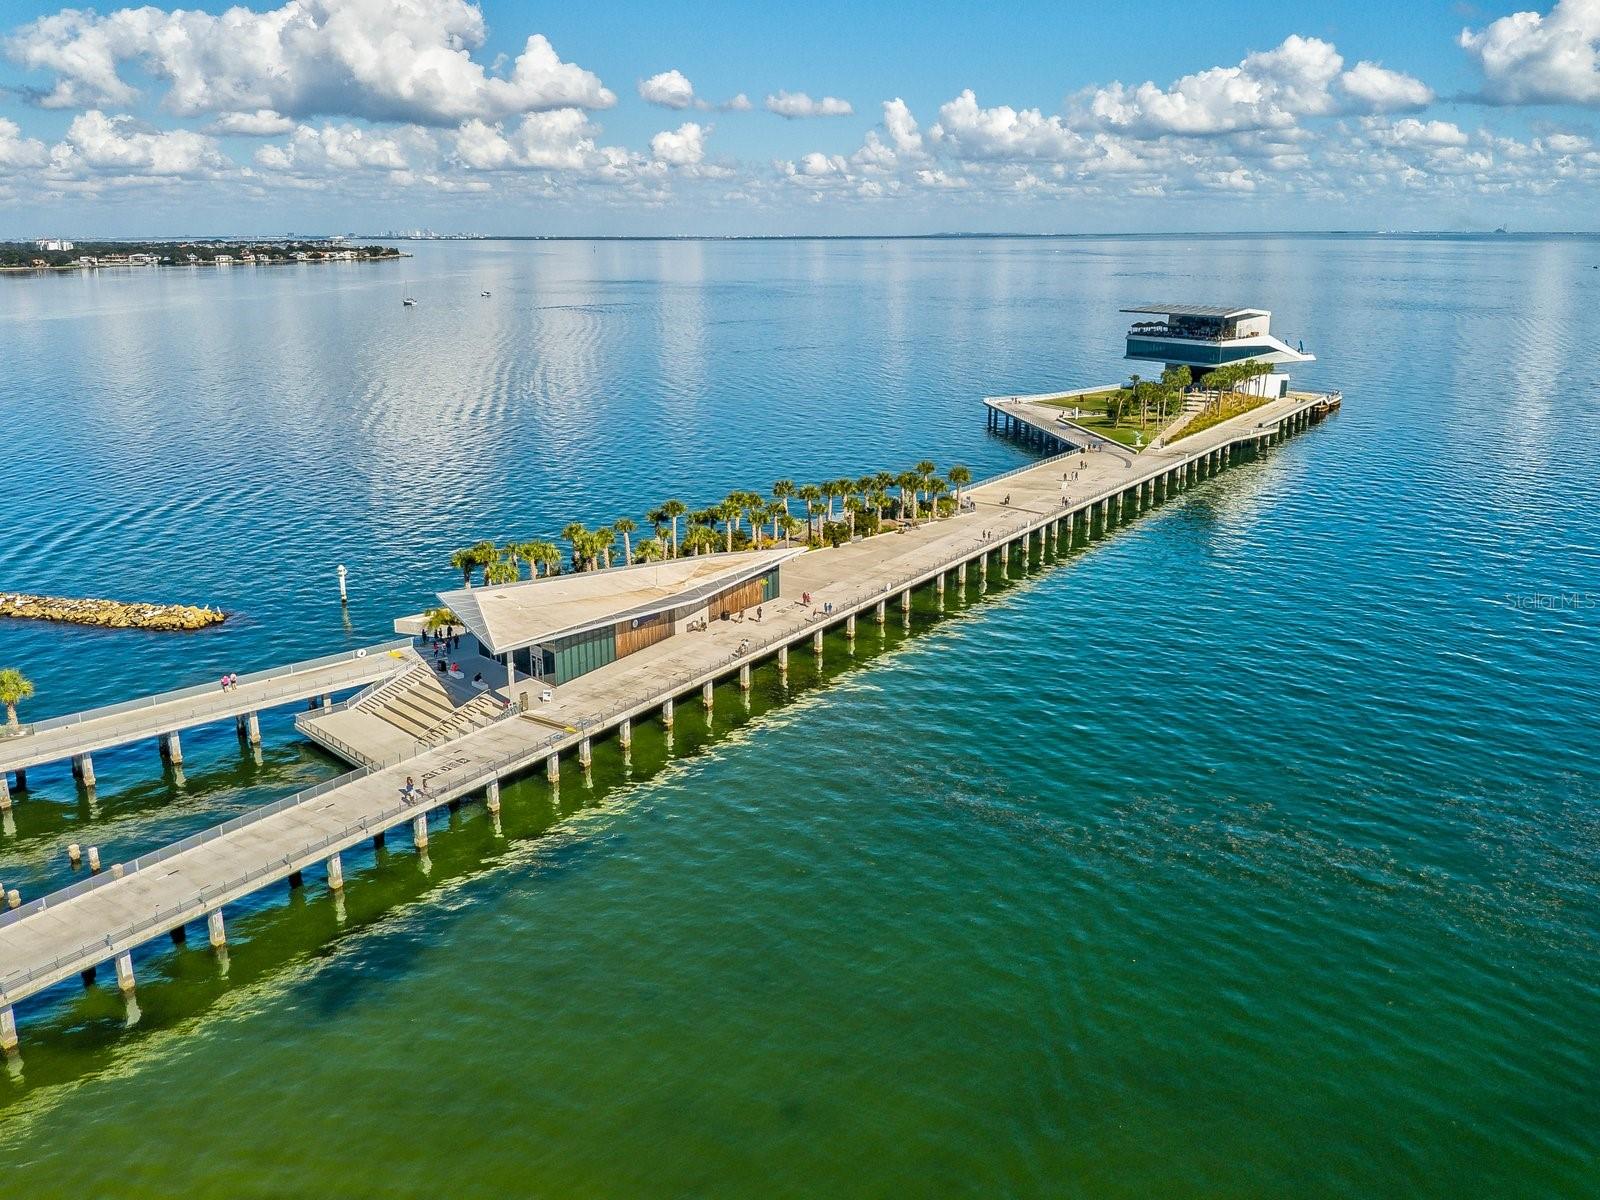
[364, 115]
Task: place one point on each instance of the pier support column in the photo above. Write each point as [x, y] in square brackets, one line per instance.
[624, 739]
[744, 677]
[905, 600]
[336, 873]
[783, 661]
[216, 931]
[938, 584]
[419, 830]
[5, 793]
[8, 1029]
[252, 728]
[124, 963]
[296, 880]
[816, 643]
[879, 614]
[172, 748]
[83, 768]
[552, 765]
[585, 752]
[850, 627]
[327, 700]
[94, 860]
[708, 694]
[961, 574]
[491, 796]
[666, 713]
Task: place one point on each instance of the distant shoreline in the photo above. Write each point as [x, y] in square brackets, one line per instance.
[271, 262]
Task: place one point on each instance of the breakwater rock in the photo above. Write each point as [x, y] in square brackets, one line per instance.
[109, 614]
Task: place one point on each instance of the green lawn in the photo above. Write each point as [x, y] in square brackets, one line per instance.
[1093, 418]
[1231, 407]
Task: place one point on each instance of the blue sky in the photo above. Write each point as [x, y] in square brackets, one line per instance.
[838, 118]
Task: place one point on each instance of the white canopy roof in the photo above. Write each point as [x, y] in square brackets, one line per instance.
[515, 615]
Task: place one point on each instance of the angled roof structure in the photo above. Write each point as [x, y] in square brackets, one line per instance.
[514, 615]
[1215, 311]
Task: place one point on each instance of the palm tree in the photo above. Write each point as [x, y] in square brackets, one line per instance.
[15, 687]
[601, 544]
[542, 554]
[625, 526]
[783, 491]
[648, 550]
[465, 561]
[501, 571]
[1133, 388]
[936, 488]
[908, 482]
[880, 501]
[960, 476]
[809, 495]
[755, 508]
[700, 539]
[728, 512]
[791, 526]
[672, 510]
[852, 505]
[925, 472]
[775, 512]
[577, 535]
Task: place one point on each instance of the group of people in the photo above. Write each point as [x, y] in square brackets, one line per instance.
[230, 682]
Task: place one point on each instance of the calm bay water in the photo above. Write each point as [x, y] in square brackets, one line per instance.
[1251, 852]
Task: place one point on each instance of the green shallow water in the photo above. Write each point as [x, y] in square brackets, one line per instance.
[1251, 851]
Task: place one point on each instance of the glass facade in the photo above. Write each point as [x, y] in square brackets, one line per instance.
[1195, 354]
[582, 653]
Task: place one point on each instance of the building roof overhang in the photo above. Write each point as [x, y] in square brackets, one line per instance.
[1213, 311]
[514, 615]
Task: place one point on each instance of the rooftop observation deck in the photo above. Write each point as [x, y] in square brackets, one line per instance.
[57, 936]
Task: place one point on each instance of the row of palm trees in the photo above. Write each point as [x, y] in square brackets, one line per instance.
[833, 511]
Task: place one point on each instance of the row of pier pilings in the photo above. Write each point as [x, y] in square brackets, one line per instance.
[1010, 557]
[1026, 432]
[170, 745]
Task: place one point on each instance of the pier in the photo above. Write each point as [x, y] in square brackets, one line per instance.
[1017, 523]
[164, 718]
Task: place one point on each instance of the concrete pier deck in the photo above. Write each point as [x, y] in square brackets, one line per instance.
[60, 738]
[105, 917]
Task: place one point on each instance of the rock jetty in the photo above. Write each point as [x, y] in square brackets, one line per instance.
[109, 614]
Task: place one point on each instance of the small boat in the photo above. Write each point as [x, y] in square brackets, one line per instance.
[409, 302]
[483, 293]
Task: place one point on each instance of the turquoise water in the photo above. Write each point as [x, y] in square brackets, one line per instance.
[1252, 851]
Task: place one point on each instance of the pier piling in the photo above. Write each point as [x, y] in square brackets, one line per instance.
[124, 964]
[172, 749]
[335, 873]
[585, 752]
[75, 855]
[708, 694]
[419, 831]
[879, 613]
[8, 1029]
[94, 859]
[744, 677]
[216, 931]
[552, 765]
[666, 712]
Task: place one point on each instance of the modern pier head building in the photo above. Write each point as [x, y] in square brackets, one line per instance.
[1205, 337]
[559, 627]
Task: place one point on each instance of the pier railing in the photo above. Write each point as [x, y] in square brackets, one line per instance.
[195, 691]
[203, 898]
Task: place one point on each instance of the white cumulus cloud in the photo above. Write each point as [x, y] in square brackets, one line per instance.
[1531, 59]
[261, 123]
[681, 147]
[334, 149]
[17, 151]
[121, 145]
[669, 89]
[795, 105]
[1003, 132]
[1271, 89]
[392, 60]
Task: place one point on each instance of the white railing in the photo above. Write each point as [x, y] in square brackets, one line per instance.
[210, 690]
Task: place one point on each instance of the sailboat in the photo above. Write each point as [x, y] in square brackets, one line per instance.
[483, 294]
[409, 302]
